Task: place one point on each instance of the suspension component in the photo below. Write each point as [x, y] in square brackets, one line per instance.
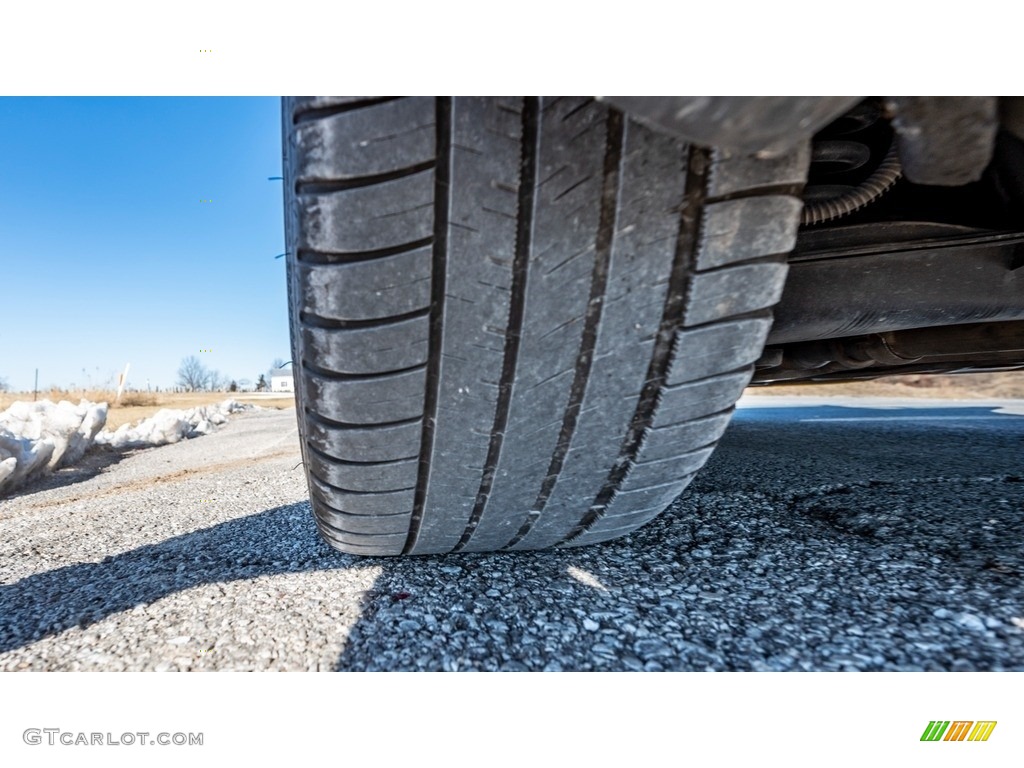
[944, 140]
[977, 345]
[840, 157]
[877, 184]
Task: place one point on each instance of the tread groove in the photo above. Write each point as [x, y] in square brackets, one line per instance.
[312, 256]
[678, 456]
[766, 190]
[312, 320]
[442, 203]
[326, 422]
[706, 379]
[350, 492]
[349, 463]
[578, 108]
[672, 320]
[324, 373]
[524, 235]
[328, 186]
[342, 531]
[768, 258]
[349, 546]
[317, 113]
[754, 314]
[616, 132]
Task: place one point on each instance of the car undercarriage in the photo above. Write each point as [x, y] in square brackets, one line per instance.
[910, 252]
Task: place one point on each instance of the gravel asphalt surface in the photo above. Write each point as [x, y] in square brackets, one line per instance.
[819, 537]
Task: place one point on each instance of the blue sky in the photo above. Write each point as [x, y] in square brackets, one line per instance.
[107, 255]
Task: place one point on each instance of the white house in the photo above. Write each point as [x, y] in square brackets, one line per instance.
[282, 380]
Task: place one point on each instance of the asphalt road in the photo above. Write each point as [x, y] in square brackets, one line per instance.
[826, 537]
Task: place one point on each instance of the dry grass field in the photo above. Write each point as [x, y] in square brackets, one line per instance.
[135, 406]
[965, 386]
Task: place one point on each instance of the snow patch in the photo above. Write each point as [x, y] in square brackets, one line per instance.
[36, 438]
[170, 426]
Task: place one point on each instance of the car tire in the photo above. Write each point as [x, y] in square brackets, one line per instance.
[517, 323]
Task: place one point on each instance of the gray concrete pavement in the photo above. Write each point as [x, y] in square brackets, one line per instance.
[821, 535]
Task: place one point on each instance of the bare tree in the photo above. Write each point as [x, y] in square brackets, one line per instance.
[192, 374]
[4, 386]
[214, 381]
[261, 385]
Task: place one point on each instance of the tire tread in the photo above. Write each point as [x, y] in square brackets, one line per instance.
[475, 374]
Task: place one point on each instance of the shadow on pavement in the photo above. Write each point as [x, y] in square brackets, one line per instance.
[95, 462]
[271, 542]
